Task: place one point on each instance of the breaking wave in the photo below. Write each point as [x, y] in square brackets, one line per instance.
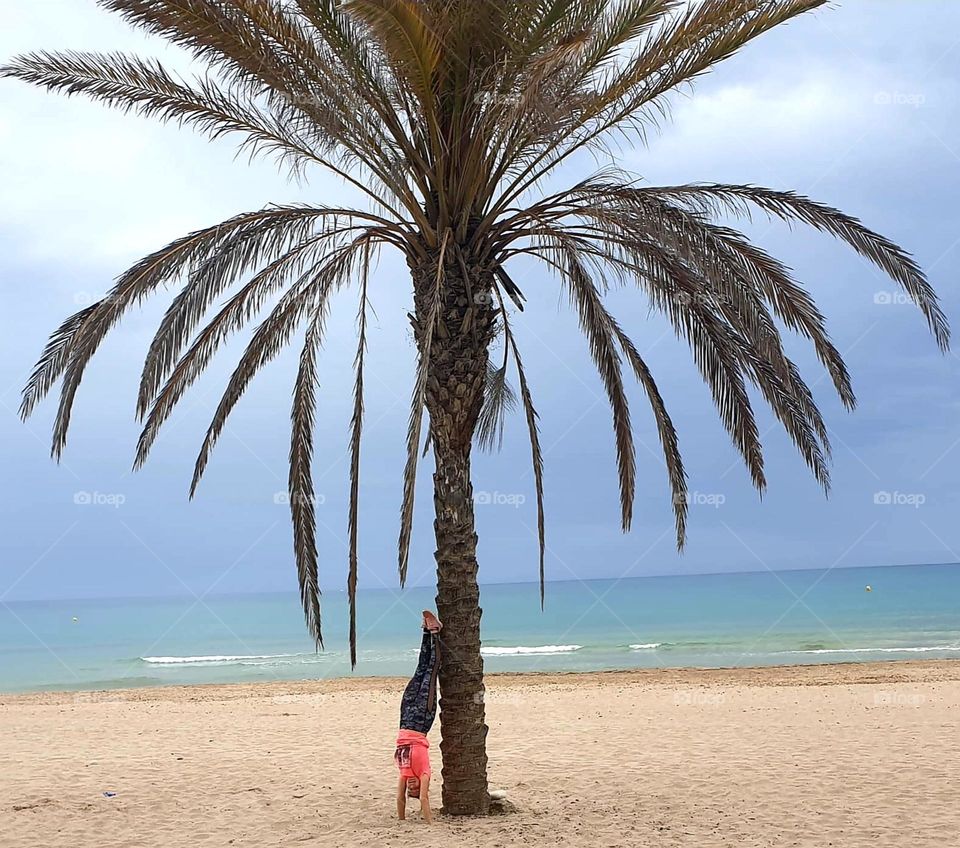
[913, 650]
[215, 659]
[519, 650]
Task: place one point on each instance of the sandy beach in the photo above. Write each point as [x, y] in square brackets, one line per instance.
[846, 755]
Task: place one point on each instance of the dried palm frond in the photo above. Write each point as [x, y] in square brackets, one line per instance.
[499, 399]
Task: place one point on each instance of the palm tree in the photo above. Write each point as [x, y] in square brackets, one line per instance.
[448, 115]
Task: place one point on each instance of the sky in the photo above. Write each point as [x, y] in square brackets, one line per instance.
[855, 105]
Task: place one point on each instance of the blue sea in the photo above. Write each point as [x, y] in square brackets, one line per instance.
[716, 620]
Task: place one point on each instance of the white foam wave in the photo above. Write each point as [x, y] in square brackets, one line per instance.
[517, 650]
[646, 646]
[213, 659]
[911, 650]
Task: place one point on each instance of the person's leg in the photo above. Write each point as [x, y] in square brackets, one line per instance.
[425, 659]
[428, 692]
[418, 707]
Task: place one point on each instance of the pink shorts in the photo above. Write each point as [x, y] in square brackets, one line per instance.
[413, 754]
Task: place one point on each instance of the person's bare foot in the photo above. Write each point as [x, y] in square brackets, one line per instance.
[431, 622]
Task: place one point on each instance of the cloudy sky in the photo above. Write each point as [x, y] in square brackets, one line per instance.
[856, 105]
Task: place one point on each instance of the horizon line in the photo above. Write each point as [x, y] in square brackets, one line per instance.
[254, 593]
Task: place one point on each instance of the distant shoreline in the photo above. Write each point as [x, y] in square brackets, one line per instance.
[819, 674]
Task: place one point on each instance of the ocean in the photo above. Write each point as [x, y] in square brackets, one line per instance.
[710, 620]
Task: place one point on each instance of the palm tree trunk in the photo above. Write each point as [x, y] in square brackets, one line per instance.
[456, 373]
[463, 730]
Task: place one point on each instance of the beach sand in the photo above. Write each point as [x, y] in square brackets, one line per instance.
[844, 755]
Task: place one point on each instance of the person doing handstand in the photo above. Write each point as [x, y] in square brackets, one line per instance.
[418, 708]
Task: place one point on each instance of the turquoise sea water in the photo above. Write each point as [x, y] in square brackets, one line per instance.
[762, 618]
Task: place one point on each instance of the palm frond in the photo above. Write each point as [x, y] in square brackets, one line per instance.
[718, 351]
[54, 359]
[356, 431]
[429, 316]
[788, 205]
[601, 337]
[499, 399]
[288, 244]
[300, 488]
[701, 37]
[144, 278]
[790, 303]
[665, 429]
[713, 344]
[725, 286]
[147, 88]
[729, 258]
[212, 29]
[234, 315]
[311, 294]
[533, 431]
[407, 36]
